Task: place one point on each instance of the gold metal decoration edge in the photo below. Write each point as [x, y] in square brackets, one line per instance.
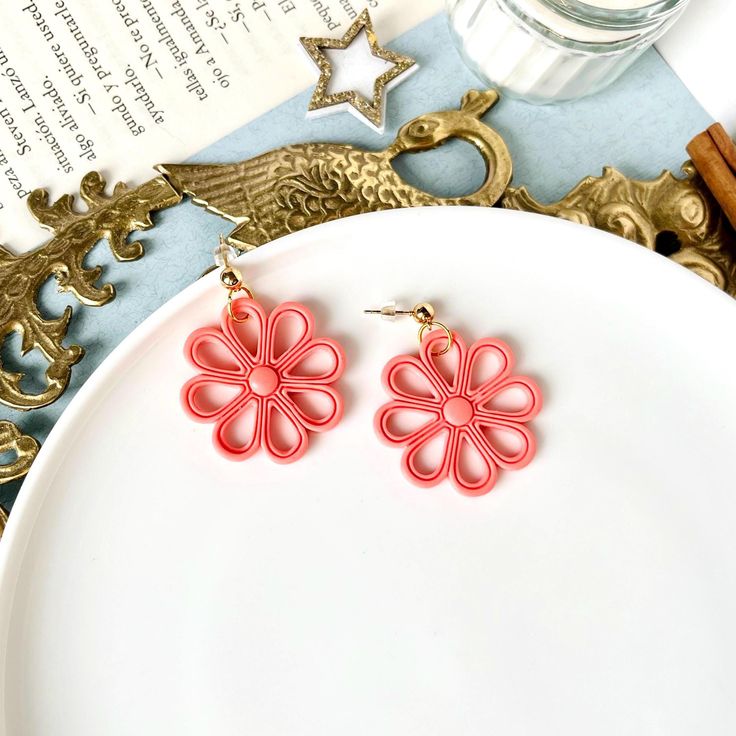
[302, 185]
[298, 186]
[24, 447]
[112, 218]
[677, 216]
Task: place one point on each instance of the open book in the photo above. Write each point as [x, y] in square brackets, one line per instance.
[122, 85]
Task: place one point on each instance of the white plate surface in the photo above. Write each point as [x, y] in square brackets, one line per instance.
[148, 586]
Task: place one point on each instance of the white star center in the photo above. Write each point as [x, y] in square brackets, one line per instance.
[355, 68]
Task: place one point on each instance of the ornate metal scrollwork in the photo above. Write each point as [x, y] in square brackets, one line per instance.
[676, 216]
[111, 217]
[23, 447]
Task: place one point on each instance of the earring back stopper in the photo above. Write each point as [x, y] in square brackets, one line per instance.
[422, 312]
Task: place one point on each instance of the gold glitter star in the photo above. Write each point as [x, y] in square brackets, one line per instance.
[372, 109]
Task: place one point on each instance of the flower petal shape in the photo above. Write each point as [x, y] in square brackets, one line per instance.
[284, 438]
[489, 362]
[214, 354]
[400, 422]
[207, 399]
[411, 380]
[517, 399]
[447, 368]
[249, 335]
[511, 445]
[427, 460]
[318, 408]
[473, 470]
[317, 361]
[238, 435]
[290, 329]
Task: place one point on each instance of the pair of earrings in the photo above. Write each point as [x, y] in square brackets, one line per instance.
[266, 381]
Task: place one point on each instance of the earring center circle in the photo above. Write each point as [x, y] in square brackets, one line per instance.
[263, 380]
[457, 411]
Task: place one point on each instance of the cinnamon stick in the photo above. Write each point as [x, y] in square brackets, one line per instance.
[714, 155]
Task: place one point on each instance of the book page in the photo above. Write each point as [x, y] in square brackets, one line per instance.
[120, 85]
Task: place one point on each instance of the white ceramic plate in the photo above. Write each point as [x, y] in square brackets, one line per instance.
[148, 586]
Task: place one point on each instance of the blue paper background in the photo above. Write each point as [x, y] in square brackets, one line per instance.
[640, 125]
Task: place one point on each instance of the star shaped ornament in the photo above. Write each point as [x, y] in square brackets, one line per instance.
[356, 73]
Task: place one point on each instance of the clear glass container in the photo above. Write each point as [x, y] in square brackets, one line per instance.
[552, 50]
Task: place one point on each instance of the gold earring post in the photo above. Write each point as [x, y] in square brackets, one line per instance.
[423, 313]
[230, 277]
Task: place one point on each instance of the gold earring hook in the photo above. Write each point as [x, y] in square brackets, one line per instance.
[423, 313]
[430, 326]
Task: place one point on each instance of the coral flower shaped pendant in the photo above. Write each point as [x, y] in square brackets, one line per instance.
[264, 380]
[460, 415]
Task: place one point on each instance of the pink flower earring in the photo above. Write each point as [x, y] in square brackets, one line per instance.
[263, 379]
[458, 412]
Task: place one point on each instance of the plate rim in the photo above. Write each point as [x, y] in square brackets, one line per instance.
[18, 533]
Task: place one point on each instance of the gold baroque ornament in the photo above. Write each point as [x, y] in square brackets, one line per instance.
[298, 186]
[23, 447]
[111, 217]
[677, 217]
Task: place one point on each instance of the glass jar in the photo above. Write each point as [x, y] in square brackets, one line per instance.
[552, 50]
